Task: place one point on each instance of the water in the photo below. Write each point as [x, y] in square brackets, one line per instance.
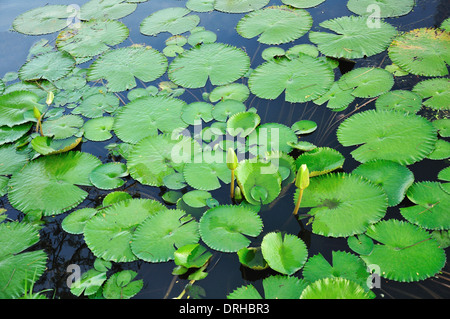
[225, 272]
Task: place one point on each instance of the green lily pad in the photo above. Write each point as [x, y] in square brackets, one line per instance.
[243, 123]
[108, 175]
[108, 233]
[442, 125]
[122, 286]
[239, 6]
[219, 62]
[321, 160]
[98, 129]
[395, 179]
[200, 5]
[399, 137]
[225, 109]
[284, 253]
[156, 157]
[225, 227]
[352, 37]
[51, 66]
[43, 20]
[197, 198]
[275, 24]
[302, 3]
[106, 9]
[423, 51]
[304, 127]
[367, 82]
[441, 150]
[175, 20]
[201, 37]
[48, 184]
[11, 160]
[270, 137]
[17, 108]
[92, 37]
[385, 9]
[435, 92]
[335, 288]
[63, 127]
[399, 100]
[97, 104]
[48, 146]
[303, 79]
[252, 258]
[196, 111]
[89, 283]
[404, 251]
[233, 91]
[360, 244]
[74, 222]
[431, 206]
[119, 67]
[156, 113]
[336, 98]
[343, 204]
[159, 236]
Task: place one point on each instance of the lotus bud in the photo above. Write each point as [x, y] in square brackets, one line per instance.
[36, 113]
[50, 97]
[232, 161]
[302, 179]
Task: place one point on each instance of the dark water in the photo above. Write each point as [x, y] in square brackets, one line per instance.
[225, 272]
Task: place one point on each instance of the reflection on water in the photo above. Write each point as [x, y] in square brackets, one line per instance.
[225, 272]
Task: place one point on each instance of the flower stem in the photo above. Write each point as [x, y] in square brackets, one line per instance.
[232, 184]
[297, 206]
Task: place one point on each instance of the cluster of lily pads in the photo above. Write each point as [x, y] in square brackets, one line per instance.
[54, 104]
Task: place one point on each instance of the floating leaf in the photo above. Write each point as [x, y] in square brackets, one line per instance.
[441, 150]
[63, 127]
[303, 79]
[155, 113]
[284, 253]
[200, 5]
[119, 67]
[74, 222]
[360, 244]
[303, 3]
[431, 206]
[233, 91]
[196, 198]
[367, 82]
[108, 175]
[225, 227]
[353, 37]
[436, 93]
[158, 237]
[403, 138]
[98, 129]
[108, 234]
[174, 20]
[201, 37]
[191, 256]
[97, 104]
[43, 20]
[239, 6]
[17, 108]
[156, 157]
[243, 123]
[219, 62]
[106, 9]
[270, 137]
[395, 179]
[423, 51]
[405, 252]
[252, 258]
[89, 282]
[275, 24]
[336, 98]
[442, 125]
[48, 146]
[11, 160]
[321, 160]
[304, 127]
[122, 286]
[250, 174]
[399, 100]
[196, 111]
[225, 109]
[343, 204]
[383, 9]
[47, 184]
[51, 66]
[335, 288]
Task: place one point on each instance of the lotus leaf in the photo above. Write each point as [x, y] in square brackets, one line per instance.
[17, 108]
[108, 175]
[63, 127]
[172, 50]
[399, 100]
[360, 244]
[273, 53]
[239, 6]
[336, 97]
[155, 113]
[431, 206]
[243, 123]
[321, 160]
[233, 91]
[343, 204]
[201, 37]
[353, 37]
[43, 20]
[119, 67]
[11, 160]
[108, 233]
[385, 9]
[48, 146]
[98, 129]
[303, 79]
[219, 62]
[284, 253]
[122, 286]
[436, 93]
[195, 112]
[226, 108]
[158, 237]
[174, 181]
[424, 51]
[275, 24]
[51, 66]
[335, 288]
[404, 251]
[399, 137]
[106, 9]
[442, 125]
[441, 150]
[270, 137]
[252, 258]
[156, 157]
[200, 5]
[303, 3]
[47, 184]
[225, 227]
[197, 198]
[74, 222]
[367, 82]
[174, 20]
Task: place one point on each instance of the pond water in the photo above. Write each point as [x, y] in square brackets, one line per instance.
[225, 271]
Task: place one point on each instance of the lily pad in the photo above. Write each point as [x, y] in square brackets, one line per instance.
[353, 38]
[106, 9]
[302, 3]
[335, 288]
[119, 67]
[404, 251]
[201, 37]
[431, 206]
[159, 236]
[225, 227]
[11, 160]
[399, 100]
[367, 82]
[399, 137]
[122, 286]
[108, 234]
[423, 51]
[48, 146]
[50, 66]
[200, 5]
[224, 109]
[74, 222]
[304, 127]
[303, 79]
[336, 98]
[233, 91]
[441, 150]
[395, 179]
[284, 253]
[108, 175]
[252, 258]
[243, 123]
[195, 112]
[385, 9]
[43, 20]
[63, 127]
[321, 160]
[343, 204]
[219, 62]
[442, 125]
[275, 24]
[175, 20]
[48, 184]
[156, 113]
[98, 129]
[435, 92]
[239, 6]
[270, 137]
